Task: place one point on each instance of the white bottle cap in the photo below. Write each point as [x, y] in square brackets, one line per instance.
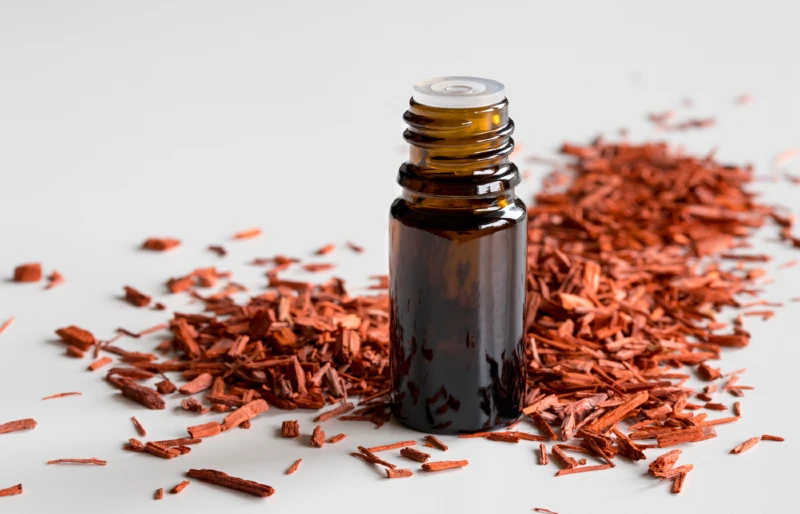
[459, 92]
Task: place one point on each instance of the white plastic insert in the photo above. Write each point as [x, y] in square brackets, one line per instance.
[459, 92]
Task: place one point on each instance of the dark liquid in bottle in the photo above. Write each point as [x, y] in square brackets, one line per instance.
[457, 293]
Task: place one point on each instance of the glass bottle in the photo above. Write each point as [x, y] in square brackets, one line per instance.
[458, 263]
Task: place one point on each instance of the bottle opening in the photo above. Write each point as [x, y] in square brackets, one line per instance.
[459, 92]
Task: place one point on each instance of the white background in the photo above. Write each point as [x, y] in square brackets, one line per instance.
[196, 119]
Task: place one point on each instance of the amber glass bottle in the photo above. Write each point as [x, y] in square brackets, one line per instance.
[457, 263]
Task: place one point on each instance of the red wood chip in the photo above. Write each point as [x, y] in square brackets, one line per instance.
[413, 454]
[398, 473]
[217, 249]
[767, 437]
[393, 446]
[136, 298]
[21, 424]
[200, 383]
[436, 442]
[6, 324]
[444, 464]
[31, 272]
[61, 395]
[354, 247]
[180, 487]
[337, 438]
[139, 427]
[95, 462]
[543, 510]
[159, 494]
[325, 249]
[294, 467]
[11, 491]
[290, 429]
[76, 336]
[219, 478]
[746, 445]
[317, 437]
[205, 430]
[160, 244]
[99, 363]
[248, 234]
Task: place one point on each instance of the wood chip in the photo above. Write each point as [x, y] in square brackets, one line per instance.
[219, 478]
[160, 244]
[6, 324]
[414, 454]
[294, 467]
[444, 464]
[746, 445]
[180, 487]
[31, 272]
[94, 462]
[11, 491]
[393, 446]
[61, 395]
[317, 437]
[138, 426]
[436, 442]
[159, 494]
[337, 438]
[20, 424]
[398, 473]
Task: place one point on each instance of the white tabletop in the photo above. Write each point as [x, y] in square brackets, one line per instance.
[196, 119]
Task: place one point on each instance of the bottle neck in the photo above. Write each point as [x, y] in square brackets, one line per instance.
[474, 204]
[459, 152]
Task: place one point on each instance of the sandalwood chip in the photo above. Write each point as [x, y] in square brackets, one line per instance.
[746, 445]
[11, 491]
[99, 363]
[136, 298]
[180, 487]
[294, 467]
[317, 437]
[6, 324]
[95, 462]
[436, 442]
[21, 424]
[413, 454]
[544, 459]
[166, 387]
[290, 429]
[248, 234]
[444, 464]
[205, 430]
[143, 395]
[398, 473]
[31, 272]
[336, 438]
[159, 494]
[200, 383]
[61, 395]
[74, 351]
[138, 426]
[243, 413]
[76, 336]
[393, 446]
[543, 510]
[341, 409]
[370, 457]
[160, 244]
[211, 476]
[767, 437]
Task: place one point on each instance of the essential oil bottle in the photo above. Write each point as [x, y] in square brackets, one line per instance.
[458, 262]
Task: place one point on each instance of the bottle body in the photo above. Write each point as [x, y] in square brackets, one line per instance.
[458, 264]
[457, 293]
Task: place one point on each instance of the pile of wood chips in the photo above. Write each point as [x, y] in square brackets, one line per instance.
[633, 251]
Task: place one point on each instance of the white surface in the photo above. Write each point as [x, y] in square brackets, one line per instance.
[124, 120]
[459, 92]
